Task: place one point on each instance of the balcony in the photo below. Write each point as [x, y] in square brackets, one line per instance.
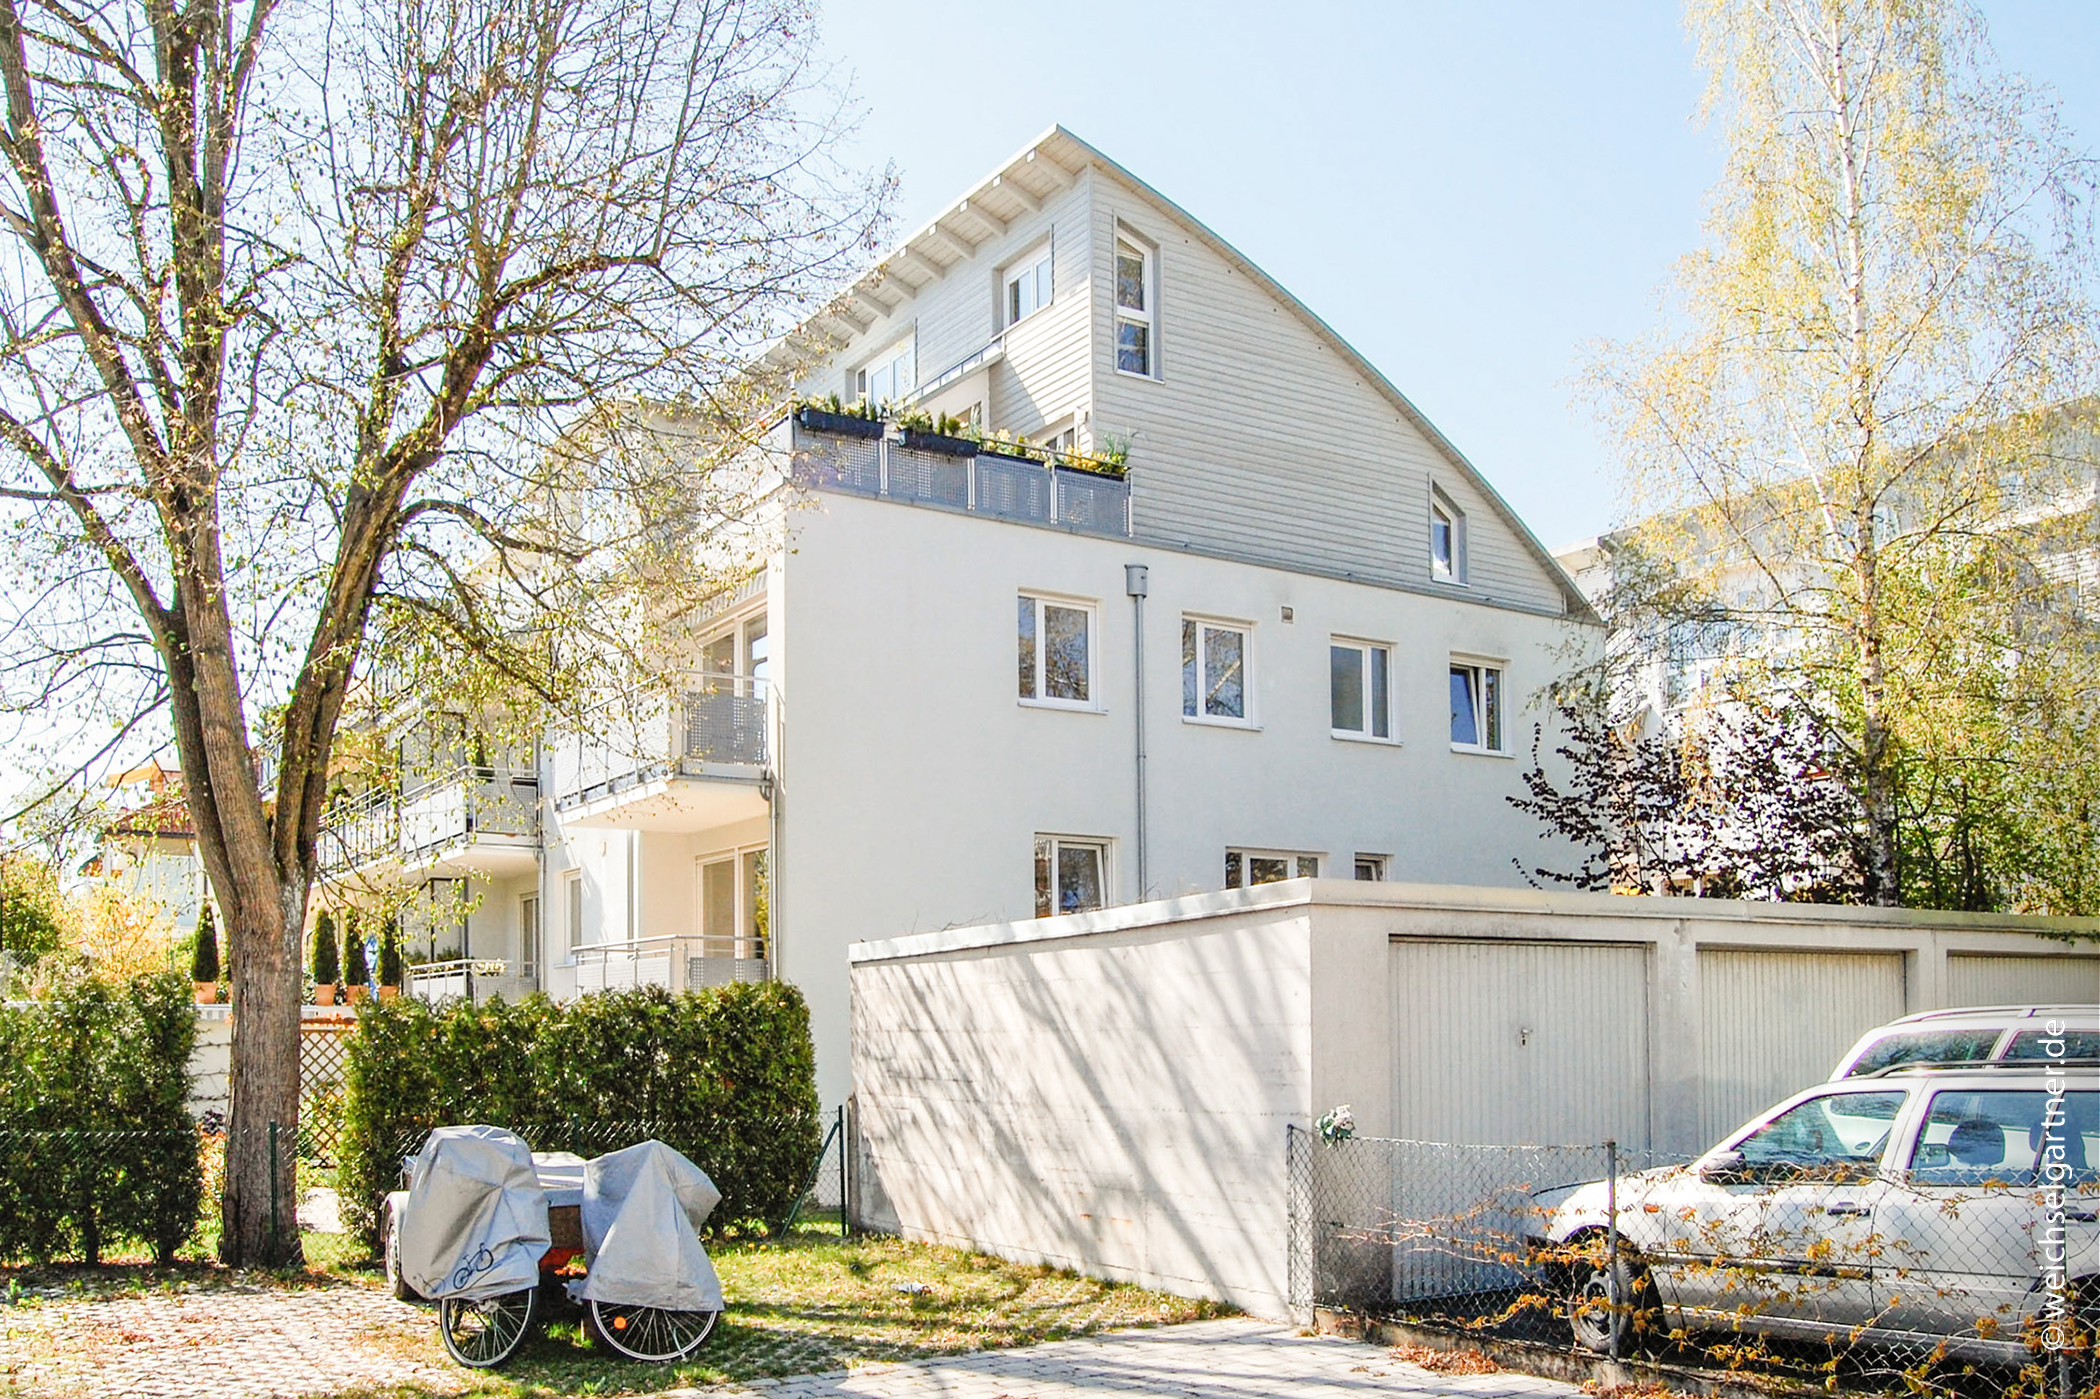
[475, 821]
[1053, 494]
[470, 979]
[676, 963]
[683, 764]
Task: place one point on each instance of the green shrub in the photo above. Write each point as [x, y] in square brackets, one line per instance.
[390, 972]
[327, 967]
[355, 972]
[204, 959]
[726, 1075]
[96, 1142]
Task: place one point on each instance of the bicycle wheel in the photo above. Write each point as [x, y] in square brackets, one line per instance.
[485, 1332]
[651, 1334]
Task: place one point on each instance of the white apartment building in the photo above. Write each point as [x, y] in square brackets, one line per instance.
[1291, 632]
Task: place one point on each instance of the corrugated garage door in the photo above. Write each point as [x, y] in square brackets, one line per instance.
[1773, 1023]
[1980, 979]
[1506, 1042]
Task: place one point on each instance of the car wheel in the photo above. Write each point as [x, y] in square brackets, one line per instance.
[1608, 1317]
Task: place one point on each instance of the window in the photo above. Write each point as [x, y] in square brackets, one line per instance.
[1246, 868]
[1447, 538]
[1838, 1133]
[889, 376]
[1359, 689]
[574, 890]
[1476, 707]
[1975, 1138]
[1213, 671]
[1056, 652]
[1371, 867]
[528, 935]
[733, 905]
[1070, 875]
[1028, 287]
[1135, 293]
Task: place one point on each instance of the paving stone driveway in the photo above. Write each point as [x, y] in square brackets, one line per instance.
[268, 1343]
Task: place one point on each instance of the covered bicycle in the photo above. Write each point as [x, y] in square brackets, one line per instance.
[486, 1225]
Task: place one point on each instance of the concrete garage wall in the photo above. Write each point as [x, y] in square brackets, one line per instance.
[1109, 1091]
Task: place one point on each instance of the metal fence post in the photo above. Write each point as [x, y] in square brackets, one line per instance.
[1611, 1245]
[274, 1226]
[845, 1215]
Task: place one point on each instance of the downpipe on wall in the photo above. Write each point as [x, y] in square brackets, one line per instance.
[1137, 581]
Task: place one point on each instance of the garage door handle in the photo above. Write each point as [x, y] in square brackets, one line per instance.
[1847, 1209]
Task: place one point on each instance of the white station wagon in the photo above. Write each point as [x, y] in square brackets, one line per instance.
[1920, 1207]
[1978, 1035]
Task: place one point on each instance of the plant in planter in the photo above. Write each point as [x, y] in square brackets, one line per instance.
[204, 959]
[390, 969]
[355, 971]
[858, 419]
[327, 967]
[1011, 446]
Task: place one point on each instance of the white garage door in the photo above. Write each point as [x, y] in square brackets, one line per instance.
[1506, 1043]
[1986, 980]
[1773, 1023]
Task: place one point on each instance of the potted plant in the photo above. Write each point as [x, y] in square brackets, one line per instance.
[390, 972]
[326, 965]
[860, 419]
[355, 971]
[204, 959]
[943, 436]
[1005, 445]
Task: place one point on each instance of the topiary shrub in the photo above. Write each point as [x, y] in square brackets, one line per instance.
[726, 1075]
[355, 972]
[390, 969]
[327, 967]
[204, 958]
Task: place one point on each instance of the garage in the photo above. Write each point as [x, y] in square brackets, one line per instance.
[1983, 980]
[1488, 1036]
[1773, 1022]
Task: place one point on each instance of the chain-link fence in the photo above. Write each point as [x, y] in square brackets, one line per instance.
[824, 1199]
[1961, 1275]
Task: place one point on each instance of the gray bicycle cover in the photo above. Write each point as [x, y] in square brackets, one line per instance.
[475, 1225]
[642, 1211]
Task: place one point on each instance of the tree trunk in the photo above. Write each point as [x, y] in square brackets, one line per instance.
[259, 1220]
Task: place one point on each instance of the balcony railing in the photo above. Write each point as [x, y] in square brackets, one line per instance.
[1002, 487]
[471, 803]
[675, 962]
[465, 978]
[713, 720]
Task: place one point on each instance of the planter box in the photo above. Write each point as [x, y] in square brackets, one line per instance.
[940, 444]
[997, 455]
[839, 424]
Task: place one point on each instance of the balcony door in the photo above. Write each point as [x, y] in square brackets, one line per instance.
[733, 906]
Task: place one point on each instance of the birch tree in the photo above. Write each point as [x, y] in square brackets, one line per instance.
[296, 298]
[1843, 435]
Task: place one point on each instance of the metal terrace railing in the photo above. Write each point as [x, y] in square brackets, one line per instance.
[676, 962]
[467, 804]
[1064, 492]
[712, 720]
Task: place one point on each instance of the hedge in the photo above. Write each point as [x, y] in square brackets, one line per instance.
[726, 1075]
[96, 1140]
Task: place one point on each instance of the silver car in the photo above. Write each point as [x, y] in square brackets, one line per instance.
[1944, 1212]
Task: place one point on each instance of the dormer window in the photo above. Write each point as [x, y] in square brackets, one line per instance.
[889, 376]
[1447, 539]
[1028, 287]
[1137, 290]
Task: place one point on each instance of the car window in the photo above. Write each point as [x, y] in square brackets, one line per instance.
[1835, 1130]
[1999, 1137]
[1925, 1047]
[2040, 1044]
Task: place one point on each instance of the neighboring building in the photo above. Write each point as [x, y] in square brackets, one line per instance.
[148, 851]
[926, 711]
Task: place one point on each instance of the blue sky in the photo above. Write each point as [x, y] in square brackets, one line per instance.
[1468, 192]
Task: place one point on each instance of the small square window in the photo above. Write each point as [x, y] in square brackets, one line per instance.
[1246, 868]
[1476, 707]
[1371, 867]
[1213, 671]
[1056, 653]
[1028, 288]
[1359, 689]
[1071, 875]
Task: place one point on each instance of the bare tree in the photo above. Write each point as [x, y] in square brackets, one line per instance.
[299, 297]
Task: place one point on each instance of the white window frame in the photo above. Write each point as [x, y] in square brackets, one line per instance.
[1369, 732]
[741, 900]
[1495, 745]
[1245, 855]
[1441, 505]
[572, 908]
[1037, 268]
[1381, 867]
[903, 352]
[1204, 626]
[1038, 699]
[529, 934]
[1148, 316]
[1045, 849]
